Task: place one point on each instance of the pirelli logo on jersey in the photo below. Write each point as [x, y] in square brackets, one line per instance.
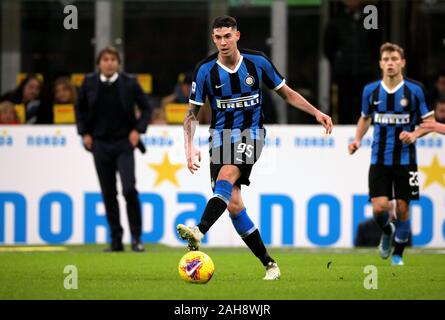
[384, 118]
[241, 102]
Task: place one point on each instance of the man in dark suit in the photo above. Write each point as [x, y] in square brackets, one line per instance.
[106, 120]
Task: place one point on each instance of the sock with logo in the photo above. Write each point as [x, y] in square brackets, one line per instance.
[403, 229]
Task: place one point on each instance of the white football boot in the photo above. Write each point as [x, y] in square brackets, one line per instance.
[386, 240]
[272, 271]
[192, 234]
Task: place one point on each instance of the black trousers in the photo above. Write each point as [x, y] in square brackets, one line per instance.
[111, 156]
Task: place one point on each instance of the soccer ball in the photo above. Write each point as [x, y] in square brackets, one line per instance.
[196, 267]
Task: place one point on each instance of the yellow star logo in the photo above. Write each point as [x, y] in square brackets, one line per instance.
[434, 173]
[166, 171]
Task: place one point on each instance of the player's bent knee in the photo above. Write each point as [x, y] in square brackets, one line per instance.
[229, 173]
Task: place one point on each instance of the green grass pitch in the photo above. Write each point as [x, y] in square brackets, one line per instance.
[154, 275]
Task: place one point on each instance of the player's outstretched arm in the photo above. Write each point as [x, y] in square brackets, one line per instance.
[296, 100]
[433, 126]
[411, 137]
[190, 123]
[363, 125]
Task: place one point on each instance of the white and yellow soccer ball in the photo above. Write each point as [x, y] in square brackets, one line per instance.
[196, 267]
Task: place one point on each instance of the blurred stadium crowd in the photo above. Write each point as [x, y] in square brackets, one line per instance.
[46, 90]
[34, 102]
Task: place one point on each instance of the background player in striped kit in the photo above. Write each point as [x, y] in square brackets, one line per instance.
[230, 79]
[396, 105]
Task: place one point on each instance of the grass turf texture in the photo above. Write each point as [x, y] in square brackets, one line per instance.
[238, 275]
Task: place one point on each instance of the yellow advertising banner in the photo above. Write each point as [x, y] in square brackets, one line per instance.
[63, 113]
[146, 82]
[21, 112]
[175, 112]
[77, 79]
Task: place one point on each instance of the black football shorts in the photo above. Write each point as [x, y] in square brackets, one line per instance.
[394, 182]
[243, 154]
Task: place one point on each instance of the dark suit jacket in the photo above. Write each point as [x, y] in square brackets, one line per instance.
[130, 94]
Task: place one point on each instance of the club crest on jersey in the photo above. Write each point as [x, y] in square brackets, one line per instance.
[404, 102]
[249, 80]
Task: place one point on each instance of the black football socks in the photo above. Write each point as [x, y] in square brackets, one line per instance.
[403, 229]
[382, 220]
[216, 205]
[214, 209]
[399, 248]
[256, 245]
[251, 236]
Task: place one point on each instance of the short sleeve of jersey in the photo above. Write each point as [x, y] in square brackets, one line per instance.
[198, 91]
[424, 108]
[271, 77]
[366, 103]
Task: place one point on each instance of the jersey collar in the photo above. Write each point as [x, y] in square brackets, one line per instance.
[390, 91]
[111, 79]
[228, 69]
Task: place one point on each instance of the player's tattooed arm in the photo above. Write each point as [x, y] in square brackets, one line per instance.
[193, 112]
[190, 123]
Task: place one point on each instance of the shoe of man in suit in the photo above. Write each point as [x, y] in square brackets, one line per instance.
[115, 247]
[137, 246]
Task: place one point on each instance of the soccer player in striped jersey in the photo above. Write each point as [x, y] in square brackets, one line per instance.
[396, 105]
[230, 79]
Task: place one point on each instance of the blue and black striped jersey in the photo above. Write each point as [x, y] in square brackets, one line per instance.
[234, 95]
[394, 111]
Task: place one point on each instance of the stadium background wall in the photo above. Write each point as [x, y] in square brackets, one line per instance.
[306, 190]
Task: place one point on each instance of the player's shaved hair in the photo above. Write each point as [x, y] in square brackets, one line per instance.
[225, 21]
[391, 47]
